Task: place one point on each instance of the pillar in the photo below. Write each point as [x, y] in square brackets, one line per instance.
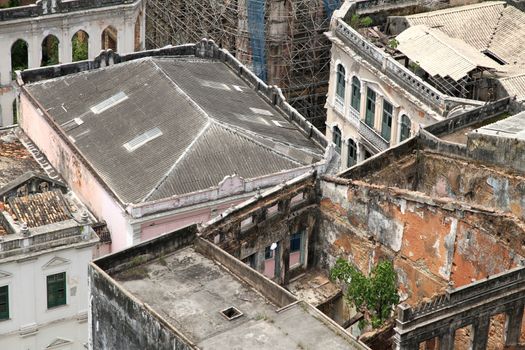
[5, 63]
[95, 41]
[513, 325]
[65, 50]
[481, 333]
[446, 341]
[34, 50]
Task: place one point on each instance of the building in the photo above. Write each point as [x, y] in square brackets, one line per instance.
[282, 42]
[160, 139]
[384, 86]
[447, 211]
[180, 291]
[51, 32]
[46, 243]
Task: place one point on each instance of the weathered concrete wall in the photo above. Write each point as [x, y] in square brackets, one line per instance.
[431, 241]
[272, 217]
[117, 319]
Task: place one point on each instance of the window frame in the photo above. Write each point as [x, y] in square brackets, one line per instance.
[4, 299]
[55, 287]
[337, 138]
[353, 144]
[390, 116]
[370, 112]
[405, 128]
[340, 83]
[355, 99]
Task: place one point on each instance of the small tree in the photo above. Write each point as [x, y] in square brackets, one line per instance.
[357, 21]
[375, 296]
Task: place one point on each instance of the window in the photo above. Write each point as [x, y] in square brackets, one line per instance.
[250, 261]
[356, 94]
[268, 253]
[295, 250]
[405, 128]
[56, 290]
[352, 153]
[4, 303]
[370, 107]
[386, 126]
[340, 86]
[336, 138]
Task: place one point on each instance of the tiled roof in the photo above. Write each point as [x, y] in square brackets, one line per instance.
[157, 127]
[440, 54]
[40, 209]
[15, 159]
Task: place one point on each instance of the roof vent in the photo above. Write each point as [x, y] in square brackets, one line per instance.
[110, 102]
[142, 139]
[231, 313]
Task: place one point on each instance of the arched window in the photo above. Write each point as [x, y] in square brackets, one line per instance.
[386, 125]
[336, 138]
[49, 51]
[340, 84]
[356, 94]
[405, 128]
[19, 56]
[80, 46]
[109, 39]
[138, 41]
[352, 153]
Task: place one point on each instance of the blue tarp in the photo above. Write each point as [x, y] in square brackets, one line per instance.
[330, 6]
[256, 25]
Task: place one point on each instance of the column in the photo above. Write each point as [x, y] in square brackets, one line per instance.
[362, 110]
[513, 325]
[65, 52]
[378, 115]
[95, 40]
[5, 62]
[481, 333]
[394, 138]
[35, 49]
[446, 341]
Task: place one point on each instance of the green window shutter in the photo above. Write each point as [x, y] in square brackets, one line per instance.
[4, 303]
[56, 290]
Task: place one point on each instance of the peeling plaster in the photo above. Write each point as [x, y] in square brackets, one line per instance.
[450, 240]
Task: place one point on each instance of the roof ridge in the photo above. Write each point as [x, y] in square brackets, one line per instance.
[181, 157]
[496, 27]
[241, 132]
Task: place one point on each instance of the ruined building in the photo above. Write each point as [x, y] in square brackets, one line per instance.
[415, 65]
[51, 32]
[282, 42]
[449, 215]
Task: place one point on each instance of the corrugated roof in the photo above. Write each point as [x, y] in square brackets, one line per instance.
[182, 97]
[515, 86]
[439, 54]
[474, 24]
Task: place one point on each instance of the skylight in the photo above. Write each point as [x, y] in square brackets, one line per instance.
[142, 139]
[110, 102]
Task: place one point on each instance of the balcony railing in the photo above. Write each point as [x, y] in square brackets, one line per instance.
[354, 117]
[372, 137]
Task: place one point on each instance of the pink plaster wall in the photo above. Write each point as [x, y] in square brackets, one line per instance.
[79, 179]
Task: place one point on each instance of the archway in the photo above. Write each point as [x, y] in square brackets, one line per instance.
[19, 56]
[49, 51]
[138, 43]
[80, 46]
[109, 38]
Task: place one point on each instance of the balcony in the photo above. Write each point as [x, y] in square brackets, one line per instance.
[354, 117]
[372, 138]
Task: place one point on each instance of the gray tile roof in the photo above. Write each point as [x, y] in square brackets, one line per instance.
[158, 127]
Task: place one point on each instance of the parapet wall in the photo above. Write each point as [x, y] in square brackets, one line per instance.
[50, 7]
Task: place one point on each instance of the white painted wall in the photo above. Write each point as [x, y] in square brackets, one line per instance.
[28, 300]
[64, 26]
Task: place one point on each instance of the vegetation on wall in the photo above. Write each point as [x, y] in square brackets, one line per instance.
[357, 21]
[374, 296]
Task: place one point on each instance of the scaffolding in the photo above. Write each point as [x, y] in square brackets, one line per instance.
[282, 41]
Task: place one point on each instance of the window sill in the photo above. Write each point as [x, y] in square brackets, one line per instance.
[53, 308]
